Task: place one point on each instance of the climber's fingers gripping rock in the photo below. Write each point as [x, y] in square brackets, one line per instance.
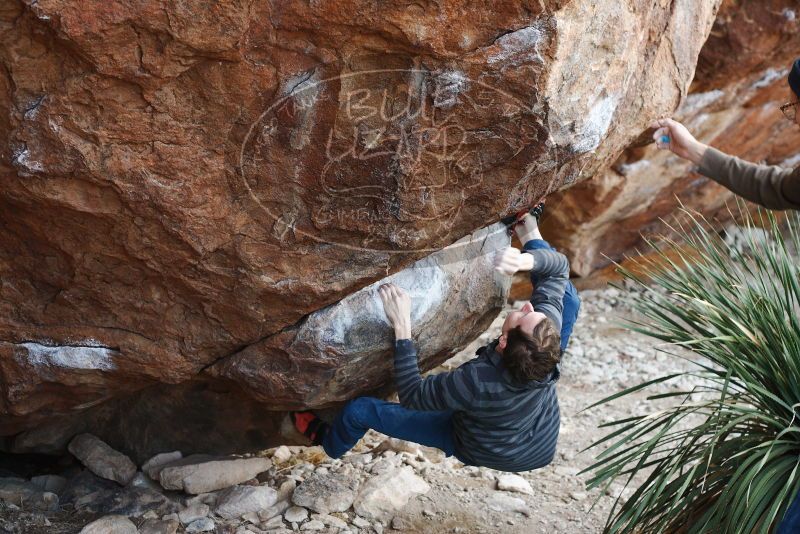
[397, 306]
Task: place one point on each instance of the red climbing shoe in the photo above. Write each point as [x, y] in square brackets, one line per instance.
[309, 425]
[513, 220]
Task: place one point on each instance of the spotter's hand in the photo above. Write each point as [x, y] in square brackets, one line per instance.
[672, 135]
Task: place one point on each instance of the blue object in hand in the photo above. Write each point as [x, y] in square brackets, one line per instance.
[665, 139]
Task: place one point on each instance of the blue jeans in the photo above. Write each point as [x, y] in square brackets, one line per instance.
[791, 521]
[572, 302]
[432, 429]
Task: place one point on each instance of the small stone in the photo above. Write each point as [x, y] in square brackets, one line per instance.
[400, 445]
[275, 522]
[275, 510]
[360, 522]
[401, 523]
[313, 525]
[193, 512]
[234, 502]
[383, 495]
[428, 512]
[156, 526]
[326, 493]
[110, 524]
[286, 489]
[101, 459]
[378, 528]
[205, 524]
[296, 514]
[330, 520]
[577, 495]
[514, 483]
[359, 459]
[154, 465]
[200, 474]
[281, 455]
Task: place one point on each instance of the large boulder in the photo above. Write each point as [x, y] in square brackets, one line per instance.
[185, 191]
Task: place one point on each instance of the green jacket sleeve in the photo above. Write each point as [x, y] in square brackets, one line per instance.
[770, 186]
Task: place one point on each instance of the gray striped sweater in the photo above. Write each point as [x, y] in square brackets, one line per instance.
[497, 422]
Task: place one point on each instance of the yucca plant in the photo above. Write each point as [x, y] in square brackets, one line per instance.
[725, 457]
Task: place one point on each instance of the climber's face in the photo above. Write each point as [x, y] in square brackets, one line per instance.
[796, 115]
[790, 109]
[525, 317]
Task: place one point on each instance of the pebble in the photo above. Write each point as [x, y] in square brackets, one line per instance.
[313, 525]
[275, 522]
[360, 522]
[205, 524]
[330, 520]
[281, 455]
[193, 513]
[514, 483]
[327, 493]
[295, 514]
[110, 524]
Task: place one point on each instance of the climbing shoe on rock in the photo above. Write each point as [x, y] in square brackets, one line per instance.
[512, 220]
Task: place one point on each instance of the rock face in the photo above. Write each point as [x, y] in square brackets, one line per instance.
[734, 106]
[186, 190]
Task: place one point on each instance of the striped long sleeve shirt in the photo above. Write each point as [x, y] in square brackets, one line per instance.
[497, 422]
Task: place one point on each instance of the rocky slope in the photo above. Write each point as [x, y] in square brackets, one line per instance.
[185, 189]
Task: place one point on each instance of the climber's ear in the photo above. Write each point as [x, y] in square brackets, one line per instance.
[501, 344]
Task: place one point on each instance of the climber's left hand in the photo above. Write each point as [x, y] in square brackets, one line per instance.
[397, 305]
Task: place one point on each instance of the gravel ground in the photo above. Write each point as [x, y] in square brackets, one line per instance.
[603, 357]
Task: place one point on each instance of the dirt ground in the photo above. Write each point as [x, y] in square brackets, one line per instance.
[603, 357]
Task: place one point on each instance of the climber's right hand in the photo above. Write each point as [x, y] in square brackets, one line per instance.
[510, 260]
[397, 306]
[674, 136]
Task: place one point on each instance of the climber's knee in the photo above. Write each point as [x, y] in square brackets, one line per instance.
[358, 411]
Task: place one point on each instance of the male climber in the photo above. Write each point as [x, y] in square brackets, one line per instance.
[498, 410]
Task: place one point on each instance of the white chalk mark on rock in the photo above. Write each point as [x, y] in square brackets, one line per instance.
[22, 158]
[521, 46]
[71, 357]
[596, 126]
